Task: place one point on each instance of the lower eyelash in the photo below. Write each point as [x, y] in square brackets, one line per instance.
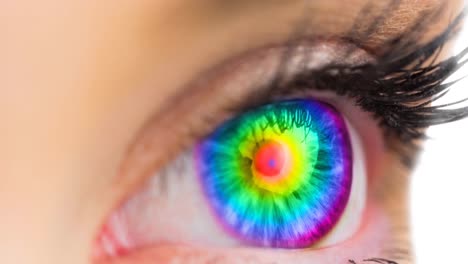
[374, 260]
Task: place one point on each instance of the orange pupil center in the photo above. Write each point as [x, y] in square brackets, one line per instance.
[269, 160]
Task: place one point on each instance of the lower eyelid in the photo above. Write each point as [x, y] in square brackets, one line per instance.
[367, 243]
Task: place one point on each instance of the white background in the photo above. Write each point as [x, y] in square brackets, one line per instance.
[439, 190]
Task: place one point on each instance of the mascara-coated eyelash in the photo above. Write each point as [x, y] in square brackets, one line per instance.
[398, 87]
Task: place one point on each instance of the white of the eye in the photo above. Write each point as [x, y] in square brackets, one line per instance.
[350, 220]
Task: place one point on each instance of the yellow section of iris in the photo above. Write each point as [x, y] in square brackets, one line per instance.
[302, 146]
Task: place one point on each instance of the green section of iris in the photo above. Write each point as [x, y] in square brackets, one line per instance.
[286, 123]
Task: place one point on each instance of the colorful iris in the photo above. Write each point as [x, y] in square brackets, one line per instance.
[279, 175]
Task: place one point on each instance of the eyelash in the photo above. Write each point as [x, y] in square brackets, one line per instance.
[395, 88]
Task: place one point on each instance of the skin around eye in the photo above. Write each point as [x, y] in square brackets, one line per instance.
[316, 198]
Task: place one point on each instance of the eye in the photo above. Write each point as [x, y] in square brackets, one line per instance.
[288, 174]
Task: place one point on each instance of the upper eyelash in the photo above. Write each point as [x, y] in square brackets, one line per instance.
[396, 88]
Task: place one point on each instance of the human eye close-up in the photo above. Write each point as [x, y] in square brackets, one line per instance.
[215, 131]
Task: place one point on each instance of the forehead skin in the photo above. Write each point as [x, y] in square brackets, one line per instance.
[84, 76]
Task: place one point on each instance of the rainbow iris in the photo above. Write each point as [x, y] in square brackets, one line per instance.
[279, 175]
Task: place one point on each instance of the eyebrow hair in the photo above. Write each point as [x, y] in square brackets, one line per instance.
[370, 15]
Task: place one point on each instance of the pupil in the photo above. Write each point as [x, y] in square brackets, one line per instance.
[269, 159]
[271, 163]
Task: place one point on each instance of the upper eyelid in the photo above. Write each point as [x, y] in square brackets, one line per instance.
[368, 34]
[350, 46]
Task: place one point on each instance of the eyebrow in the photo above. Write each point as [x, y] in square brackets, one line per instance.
[385, 19]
